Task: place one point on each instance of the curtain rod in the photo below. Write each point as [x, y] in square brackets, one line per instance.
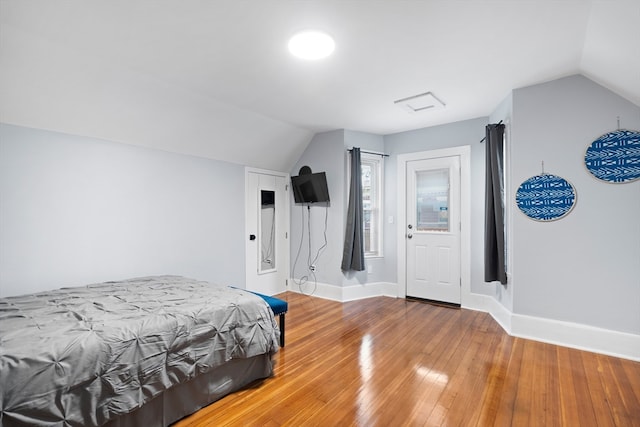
[370, 152]
[483, 139]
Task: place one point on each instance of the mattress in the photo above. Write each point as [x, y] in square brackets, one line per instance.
[87, 355]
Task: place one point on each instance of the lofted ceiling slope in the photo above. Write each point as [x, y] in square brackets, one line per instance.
[214, 78]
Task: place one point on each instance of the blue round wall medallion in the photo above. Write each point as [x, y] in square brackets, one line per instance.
[615, 156]
[546, 197]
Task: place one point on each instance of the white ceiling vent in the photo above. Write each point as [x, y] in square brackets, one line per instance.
[422, 102]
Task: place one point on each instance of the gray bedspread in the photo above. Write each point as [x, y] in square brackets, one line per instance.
[83, 356]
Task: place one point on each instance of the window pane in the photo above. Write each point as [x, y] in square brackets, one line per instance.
[432, 200]
[367, 191]
[371, 168]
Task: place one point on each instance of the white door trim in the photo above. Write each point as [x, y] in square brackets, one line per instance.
[464, 152]
[284, 258]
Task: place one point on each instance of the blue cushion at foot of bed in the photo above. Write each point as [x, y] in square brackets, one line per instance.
[279, 308]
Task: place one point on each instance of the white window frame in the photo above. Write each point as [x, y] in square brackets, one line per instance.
[376, 162]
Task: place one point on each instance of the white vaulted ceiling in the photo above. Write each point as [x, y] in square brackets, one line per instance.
[214, 78]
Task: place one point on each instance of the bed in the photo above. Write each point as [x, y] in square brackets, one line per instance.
[144, 351]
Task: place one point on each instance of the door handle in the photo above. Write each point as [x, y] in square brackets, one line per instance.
[252, 237]
[409, 236]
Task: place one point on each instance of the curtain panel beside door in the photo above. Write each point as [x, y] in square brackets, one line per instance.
[494, 236]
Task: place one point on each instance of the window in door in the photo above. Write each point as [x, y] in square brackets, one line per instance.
[432, 200]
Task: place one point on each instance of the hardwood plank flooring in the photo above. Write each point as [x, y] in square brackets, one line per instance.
[391, 362]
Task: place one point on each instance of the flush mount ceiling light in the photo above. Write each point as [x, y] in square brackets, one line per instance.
[311, 45]
[422, 102]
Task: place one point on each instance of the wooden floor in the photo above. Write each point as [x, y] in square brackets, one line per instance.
[390, 362]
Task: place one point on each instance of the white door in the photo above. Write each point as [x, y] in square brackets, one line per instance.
[433, 229]
[267, 230]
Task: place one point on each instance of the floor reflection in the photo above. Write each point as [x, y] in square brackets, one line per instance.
[432, 376]
[366, 394]
[421, 385]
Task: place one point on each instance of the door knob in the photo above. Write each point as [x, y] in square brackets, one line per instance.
[409, 236]
[409, 226]
[252, 237]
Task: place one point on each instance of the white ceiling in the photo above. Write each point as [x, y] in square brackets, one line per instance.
[214, 78]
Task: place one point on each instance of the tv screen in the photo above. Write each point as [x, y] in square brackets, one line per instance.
[310, 188]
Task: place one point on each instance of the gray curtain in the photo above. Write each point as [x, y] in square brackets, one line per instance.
[494, 244]
[353, 253]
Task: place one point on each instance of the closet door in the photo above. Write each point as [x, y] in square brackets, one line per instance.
[267, 231]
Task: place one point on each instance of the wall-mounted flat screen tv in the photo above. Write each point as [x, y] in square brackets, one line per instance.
[310, 188]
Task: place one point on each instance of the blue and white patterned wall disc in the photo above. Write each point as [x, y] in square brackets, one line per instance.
[615, 156]
[546, 197]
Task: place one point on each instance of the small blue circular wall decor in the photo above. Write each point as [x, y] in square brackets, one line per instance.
[615, 156]
[546, 197]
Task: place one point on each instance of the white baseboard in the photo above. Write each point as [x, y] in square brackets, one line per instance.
[489, 305]
[346, 293]
[356, 292]
[566, 334]
[576, 335]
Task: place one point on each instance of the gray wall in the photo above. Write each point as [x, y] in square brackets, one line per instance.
[325, 153]
[584, 268]
[77, 210]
